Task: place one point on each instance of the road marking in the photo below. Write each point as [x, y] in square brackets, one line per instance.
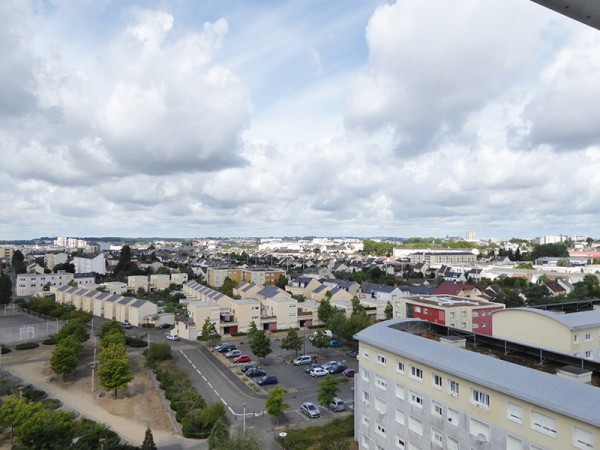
[216, 393]
[224, 402]
[203, 377]
[194, 366]
[301, 415]
[211, 386]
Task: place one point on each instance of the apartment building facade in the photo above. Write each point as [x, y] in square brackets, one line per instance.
[260, 276]
[447, 257]
[89, 264]
[416, 393]
[457, 312]
[576, 334]
[29, 284]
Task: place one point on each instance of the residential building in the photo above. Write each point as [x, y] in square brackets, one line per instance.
[90, 264]
[160, 281]
[452, 311]
[447, 257]
[52, 259]
[459, 289]
[256, 275]
[412, 392]
[179, 278]
[29, 284]
[216, 275]
[302, 286]
[576, 334]
[135, 282]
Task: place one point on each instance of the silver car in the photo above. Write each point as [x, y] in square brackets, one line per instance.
[337, 405]
[310, 409]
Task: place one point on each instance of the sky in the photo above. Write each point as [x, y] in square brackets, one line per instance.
[189, 118]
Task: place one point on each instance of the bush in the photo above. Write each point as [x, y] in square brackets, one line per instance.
[49, 341]
[5, 350]
[33, 394]
[241, 333]
[51, 403]
[200, 422]
[135, 342]
[26, 346]
[332, 435]
[157, 353]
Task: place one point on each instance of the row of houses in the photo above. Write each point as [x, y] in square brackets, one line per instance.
[155, 282]
[108, 306]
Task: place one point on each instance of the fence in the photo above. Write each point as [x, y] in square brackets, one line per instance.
[28, 332]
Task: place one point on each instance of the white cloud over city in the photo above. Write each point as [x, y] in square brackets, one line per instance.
[406, 118]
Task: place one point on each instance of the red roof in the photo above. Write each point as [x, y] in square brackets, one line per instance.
[452, 288]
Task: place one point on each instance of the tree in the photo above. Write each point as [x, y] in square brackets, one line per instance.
[388, 312]
[109, 327]
[209, 332]
[328, 390]
[326, 310]
[321, 341]
[252, 329]
[5, 289]
[260, 344]
[18, 262]
[228, 287]
[158, 352]
[354, 324]
[558, 250]
[114, 372]
[281, 282]
[46, 430]
[337, 323]
[73, 327]
[218, 436]
[276, 404]
[356, 306]
[15, 410]
[148, 443]
[510, 298]
[65, 356]
[292, 341]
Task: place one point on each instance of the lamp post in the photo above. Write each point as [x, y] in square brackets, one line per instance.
[93, 375]
[283, 435]
[101, 441]
[244, 421]
[304, 352]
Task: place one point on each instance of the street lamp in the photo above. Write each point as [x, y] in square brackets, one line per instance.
[101, 441]
[244, 421]
[283, 435]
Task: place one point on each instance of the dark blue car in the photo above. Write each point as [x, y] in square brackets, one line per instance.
[268, 379]
[334, 343]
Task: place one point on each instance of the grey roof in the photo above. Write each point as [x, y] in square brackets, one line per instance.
[417, 290]
[270, 291]
[567, 397]
[64, 288]
[573, 321]
[138, 303]
[103, 296]
[114, 298]
[83, 275]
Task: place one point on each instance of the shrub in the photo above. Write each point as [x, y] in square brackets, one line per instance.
[26, 346]
[200, 422]
[49, 341]
[241, 333]
[33, 394]
[135, 342]
[51, 403]
[157, 353]
[5, 350]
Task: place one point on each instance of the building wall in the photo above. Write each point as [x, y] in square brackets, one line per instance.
[179, 278]
[89, 265]
[262, 277]
[160, 281]
[29, 284]
[216, 276]
[394, 408]
[52, 259]
[286, 311]
[134, 282]
[244, 312]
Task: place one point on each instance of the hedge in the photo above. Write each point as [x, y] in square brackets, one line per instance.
[135, 342]
[49, 341]
[26, 346]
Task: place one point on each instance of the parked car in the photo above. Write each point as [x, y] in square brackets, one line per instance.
[337, 405]
[255, 373]
[164, 326]
[234, 353]
[172, 337]
[310, 409]
[127, 324]
[327, 333]
[221, 344]
[329, 364]
[247, 367]
[334, 343]
[348, 373]
[311, 367]
[242, 359]
[226, 348]
[303, 360]
[339, 368]
[353, 354]
[267, 379]
[318, 372]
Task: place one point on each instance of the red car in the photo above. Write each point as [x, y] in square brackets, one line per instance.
[348, 373]
[242, 359]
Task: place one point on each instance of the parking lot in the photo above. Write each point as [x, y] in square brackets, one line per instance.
[301, 386]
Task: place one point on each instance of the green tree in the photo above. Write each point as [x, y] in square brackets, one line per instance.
[228, 287]
[321, 341]
[510, 298]
[112, 338]
[18, 262]
[260, 344]
[218, 436]
[281, 282]
[558, 250]
[209, 332]
[109, 327]
[325, 311]
[354, 324]
[356, 306]
[388, 312]
[163, 270]
[328, 390]
[73, 327]
[46, 430]
[292, 341]
[15, 410]
[524, 265]
[5, 289]
[337, 323]
[199, 422]
[252, 329]
[65, 356]
[114, 372]
[276, 405]
[148, 443]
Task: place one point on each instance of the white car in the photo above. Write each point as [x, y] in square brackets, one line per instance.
[172, 337]
[318, 372]
[303, 360]
[233, 353]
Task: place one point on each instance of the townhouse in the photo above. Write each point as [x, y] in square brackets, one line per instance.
[414, 392]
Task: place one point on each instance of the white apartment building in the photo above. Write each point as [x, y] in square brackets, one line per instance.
[90, 264]
[416, 393]
[31, 283]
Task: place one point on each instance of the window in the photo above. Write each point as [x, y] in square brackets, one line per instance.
[437, 437]
[365, 419]
[380, 406]
[365, 375]
[416, 373]
[475, 314]
[399, 442]
[575, 339]
[365, 441]
[452, 444]
[366, 397]
[417, 309]
[415, 425]
[453, 417]
[400, 391]
[453, 388]
[588, 353]
[436, 409]
[480, 399]
[464, 325]
[380, 382]
[436, 380]
[514, 412]
[400, 367]
[475, 326]
[588, 336]
[583, 438]
[479, 429]
[381, 360]
[416, 399]
[380, 430]
[544, 424]
[452, 315]
[513, 443]
[365, 353]
[400, 417]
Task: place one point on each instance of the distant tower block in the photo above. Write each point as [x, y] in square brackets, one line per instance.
[471, 236]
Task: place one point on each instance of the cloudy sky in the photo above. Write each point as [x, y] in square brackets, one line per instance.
[340, 117]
